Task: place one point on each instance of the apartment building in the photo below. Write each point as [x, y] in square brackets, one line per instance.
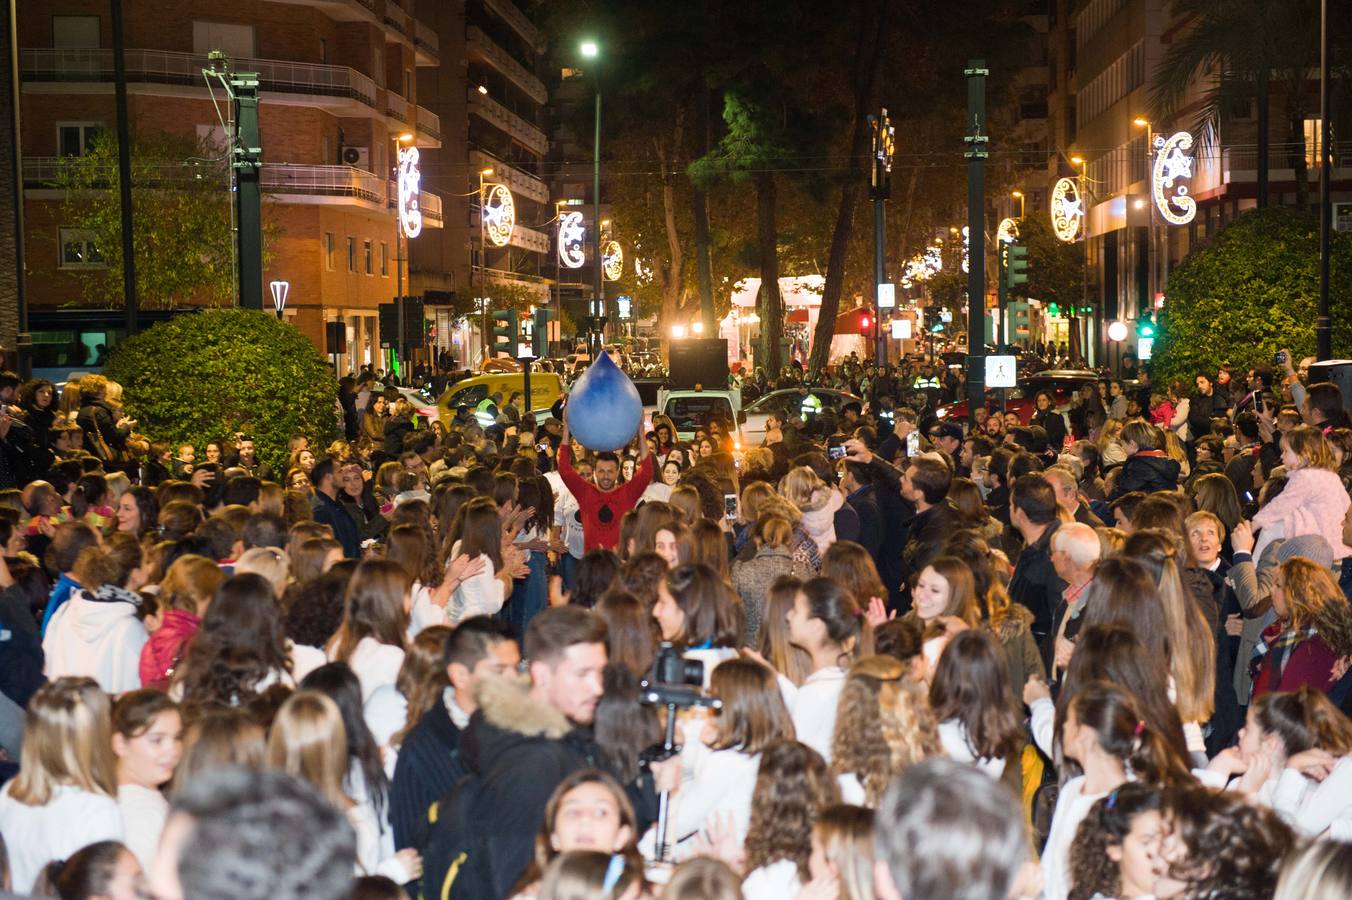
[493, 103]
[338, 85]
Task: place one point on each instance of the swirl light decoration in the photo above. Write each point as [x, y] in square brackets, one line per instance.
[572, 238]
[1067, 209]
[612, 260]
[410, 191]
[1173, 163]
[499, 215]
[1008, 231]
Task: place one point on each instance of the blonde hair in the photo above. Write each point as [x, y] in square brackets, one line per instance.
[685, 502]
[752, 496]
[884, 724]
[221, 737]
[67, 741]
[803, 489]
[846, 836]
[308, 741]
[773, 531]
[190, 584]
[270, 562]
[1322, 871]
[1315, 450]
[792, 662]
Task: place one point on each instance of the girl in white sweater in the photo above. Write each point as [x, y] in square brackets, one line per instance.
[827, 623]
[478, 535]
[793, 787]
[64, 795]
[148, 743]
[371, 637]
[971, 700]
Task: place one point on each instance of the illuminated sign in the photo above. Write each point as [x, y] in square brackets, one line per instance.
[572, 239]
[612, 260]
[410, 191]
[887, 295]
[1067, 209]
[966, 243]
[1173, 163]
[499, 215]
[1008, 232]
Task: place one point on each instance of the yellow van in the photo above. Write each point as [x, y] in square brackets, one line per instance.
[545, 389]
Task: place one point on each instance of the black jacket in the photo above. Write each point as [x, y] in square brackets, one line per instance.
[896, 514]
[925, 539]
[1201, 407]
[428, 767]
[395, 431]
[516, 751]
[1147, 474]
[865, 503]
[1055, 425]
[330, 512]
[1035, 583]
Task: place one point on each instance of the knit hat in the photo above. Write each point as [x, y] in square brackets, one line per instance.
[1310, 546]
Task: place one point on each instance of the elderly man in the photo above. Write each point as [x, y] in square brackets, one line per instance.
[1067, 490]
[1075, 552]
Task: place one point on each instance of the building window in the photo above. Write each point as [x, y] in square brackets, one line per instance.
[366, 254]
[1314, 143]
[78, 250]
[75, 32]
[328, 250]
[235, 40]
[384, 260]
[76, 138]
[351, 254]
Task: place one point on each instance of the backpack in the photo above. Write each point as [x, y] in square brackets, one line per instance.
[456, 861]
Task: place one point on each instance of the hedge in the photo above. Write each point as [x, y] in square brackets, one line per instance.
[206, 375]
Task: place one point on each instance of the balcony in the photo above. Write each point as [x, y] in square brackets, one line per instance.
[43, 173]
[1240, 163]
[426, 45]
[428, 203]
[481, 46]
[428, 128]
[517, 181]
[521, 24]
[398, 108]
[185, 69]
[524, 133]
[322, 181]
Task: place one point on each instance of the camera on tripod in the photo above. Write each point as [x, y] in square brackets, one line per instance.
[675, 681]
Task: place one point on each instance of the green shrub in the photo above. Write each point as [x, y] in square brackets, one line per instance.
[1250, 291]
[203, 376]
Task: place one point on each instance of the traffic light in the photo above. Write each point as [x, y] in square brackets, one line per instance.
[937, 328]
[1016, 265]
[1053, 309]
[1145, 328]
[505, 330]
[539, 338]
[864, 322]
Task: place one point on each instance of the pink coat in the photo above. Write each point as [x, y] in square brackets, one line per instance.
[1313, 502]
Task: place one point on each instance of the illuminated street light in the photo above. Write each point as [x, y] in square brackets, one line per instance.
[590, 50]
[483, 89]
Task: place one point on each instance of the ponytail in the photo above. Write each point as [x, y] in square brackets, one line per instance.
[1122, 731]
[1303, 720]
[846, 625]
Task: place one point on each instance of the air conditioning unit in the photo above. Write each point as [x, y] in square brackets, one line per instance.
[357, 157]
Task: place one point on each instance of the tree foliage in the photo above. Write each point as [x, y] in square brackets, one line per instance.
[1250, 291]
[1055, 268]
[201, 376]
[180, 216]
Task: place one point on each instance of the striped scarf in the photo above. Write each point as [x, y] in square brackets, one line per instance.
[1283, 641]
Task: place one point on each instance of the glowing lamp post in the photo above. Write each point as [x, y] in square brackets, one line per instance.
[279, 291]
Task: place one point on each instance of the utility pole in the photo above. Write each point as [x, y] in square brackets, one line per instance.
[248, 163]
[1323, 331]
[978, 143]
[879, 189]
[124, 170]
[12, 218]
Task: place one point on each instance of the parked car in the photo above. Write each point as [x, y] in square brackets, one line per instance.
[1063, 383]
[791, 403]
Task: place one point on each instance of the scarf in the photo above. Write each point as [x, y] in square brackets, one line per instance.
[1283, 640]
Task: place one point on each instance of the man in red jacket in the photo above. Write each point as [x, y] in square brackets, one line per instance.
[603, 503]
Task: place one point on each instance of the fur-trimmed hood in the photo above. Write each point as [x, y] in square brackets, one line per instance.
[508, 723]
[1016, 620]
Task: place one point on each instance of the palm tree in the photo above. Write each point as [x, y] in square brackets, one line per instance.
[1243, 48]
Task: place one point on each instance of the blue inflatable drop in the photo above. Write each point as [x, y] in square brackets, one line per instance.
[604, 408]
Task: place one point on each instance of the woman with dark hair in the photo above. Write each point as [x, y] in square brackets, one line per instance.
[89, 503]
[238, 652]
[971, 699]
[596, 573]
[478, 529]
[375, 619]
[631, 639]
[826, 622]
[1217, 844]
[1049, 419]
[106, 870]
[137, 512]
[698, 613]
[37, 399]
[1113, 851]
[793, 787]
[366, 781]
[373, 418]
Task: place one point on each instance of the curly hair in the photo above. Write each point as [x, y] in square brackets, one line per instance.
[1234, 849]
[1107, 825]
[793, 786]
[1314, 600]
[883, 725]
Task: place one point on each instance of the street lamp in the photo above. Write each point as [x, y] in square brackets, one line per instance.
[401, 347]
[483, 264]
[1152, 241]
[1018, 195]
[591, 50]
[1080, 163]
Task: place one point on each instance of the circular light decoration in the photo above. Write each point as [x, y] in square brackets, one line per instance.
[1067, 209]
[1117, 331]
[499, 215]
[572, 238]
[410, 192]
[612, 260]
[1173, 163]
[1008, 232]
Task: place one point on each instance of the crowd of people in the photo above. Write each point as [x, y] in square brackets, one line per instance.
[1106, 653]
